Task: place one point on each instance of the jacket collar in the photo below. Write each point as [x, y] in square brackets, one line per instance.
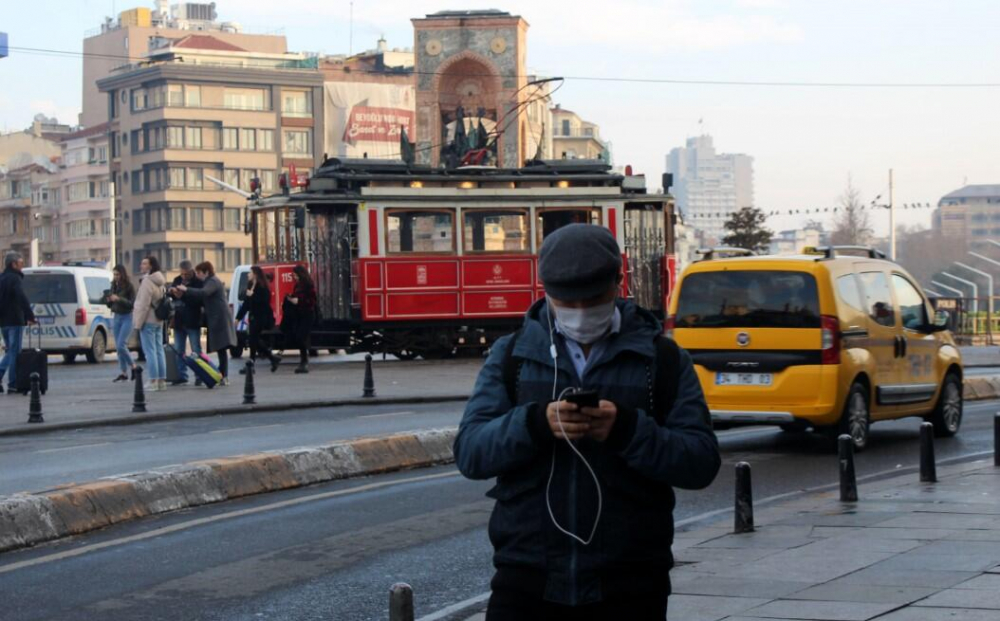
[11, 270]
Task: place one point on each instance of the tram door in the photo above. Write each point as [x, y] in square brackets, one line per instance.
[333, 246]
[645, 248]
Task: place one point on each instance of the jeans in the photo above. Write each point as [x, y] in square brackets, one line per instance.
[151, 336]
[12, 336]
[121, 325]
[182, 336]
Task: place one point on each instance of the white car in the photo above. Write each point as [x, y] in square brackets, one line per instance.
[72, 317]
[237, 289]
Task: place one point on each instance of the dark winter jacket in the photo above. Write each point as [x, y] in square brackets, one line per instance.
[258, 306]
[126, 297]
[218, 316]
[187, 310]
[15, 309]
[638, 464]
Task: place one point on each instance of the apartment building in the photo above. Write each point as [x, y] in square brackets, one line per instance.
[84, 195]
[29, 207]
[574, 138]
[199, 107]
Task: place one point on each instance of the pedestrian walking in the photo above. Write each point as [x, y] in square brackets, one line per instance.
[121, 300]
[257, 304]
[217, 315]
[187, 320]
[583, 524]
[15, 314]
[147, 322]
[299, 314]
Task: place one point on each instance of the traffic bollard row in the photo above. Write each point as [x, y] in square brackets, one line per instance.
[369, 388]
[35, 405]
[401, 602]
[743, 521]
[848, 480]
[928, 467]
[249, 391]
[139, 398]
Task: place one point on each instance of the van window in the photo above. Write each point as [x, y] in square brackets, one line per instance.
[847, 290]
[912, 309]
[241, 286]
[50, 288]
[877, 298]
[748, 299]
[96, 286]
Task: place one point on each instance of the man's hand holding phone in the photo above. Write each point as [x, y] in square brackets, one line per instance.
[583, 414]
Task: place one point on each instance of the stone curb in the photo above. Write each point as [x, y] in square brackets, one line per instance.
[29, 519]
[154, 417]
[981, 388]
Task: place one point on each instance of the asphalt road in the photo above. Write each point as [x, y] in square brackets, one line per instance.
[331, 551]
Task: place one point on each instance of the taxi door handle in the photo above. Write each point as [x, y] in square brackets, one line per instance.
[902, 346]
[897, 346]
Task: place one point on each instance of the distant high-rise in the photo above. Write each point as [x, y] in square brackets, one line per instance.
[709, 186]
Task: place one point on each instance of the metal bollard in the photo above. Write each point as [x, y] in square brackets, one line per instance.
[848, 480]
[928, 467]
[401, 602]
[743, 522]
[139, 399]
[35, 405]
[996, 439]
[249, 394]
[369, 378]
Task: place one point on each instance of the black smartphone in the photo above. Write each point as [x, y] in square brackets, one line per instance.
[584, 398]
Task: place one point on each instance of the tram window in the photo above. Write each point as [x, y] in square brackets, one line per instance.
[551, 220]
[496, 231]
[420, 231]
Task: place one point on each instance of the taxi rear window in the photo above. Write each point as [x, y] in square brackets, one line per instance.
[50, 288]
[748, 299]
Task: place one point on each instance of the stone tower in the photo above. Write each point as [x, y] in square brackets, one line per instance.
[474, 60]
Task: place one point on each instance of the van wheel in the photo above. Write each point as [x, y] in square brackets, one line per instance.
[947, 414]
[69, 358]
[98, 347]
[856, 419]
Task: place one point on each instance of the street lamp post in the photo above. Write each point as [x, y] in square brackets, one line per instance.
[989, 299]
[975, 289]
[949, 288]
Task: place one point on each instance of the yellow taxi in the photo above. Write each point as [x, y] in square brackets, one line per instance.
[833, 340]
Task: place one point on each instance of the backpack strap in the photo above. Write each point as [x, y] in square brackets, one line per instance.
[668, 360]
[511, 368]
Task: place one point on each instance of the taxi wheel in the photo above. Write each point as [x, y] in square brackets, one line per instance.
[947, 414]
[98, 347]
[856, 420]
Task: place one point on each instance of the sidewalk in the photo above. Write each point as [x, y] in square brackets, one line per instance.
[84, 394]
[980, 356]
[907, 551]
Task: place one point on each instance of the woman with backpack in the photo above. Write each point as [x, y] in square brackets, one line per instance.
[121, 299]
[150, 310]
[257, 303]
[217, 316]
[300, 312]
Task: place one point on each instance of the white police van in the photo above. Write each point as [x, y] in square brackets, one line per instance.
[237, 289]
[72, 316]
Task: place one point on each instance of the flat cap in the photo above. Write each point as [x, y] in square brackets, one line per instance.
[578, 262]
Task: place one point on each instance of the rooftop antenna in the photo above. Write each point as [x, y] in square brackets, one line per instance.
[350, 37]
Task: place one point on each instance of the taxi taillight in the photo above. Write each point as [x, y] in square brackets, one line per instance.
[830, 329]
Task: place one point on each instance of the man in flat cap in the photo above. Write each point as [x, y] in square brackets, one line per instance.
[583, 523]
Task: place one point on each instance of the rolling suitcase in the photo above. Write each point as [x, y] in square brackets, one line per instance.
[31, 360]
[203, 369]
[171, 357]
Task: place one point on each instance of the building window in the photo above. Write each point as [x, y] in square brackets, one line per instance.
[77, 192]
[195, 178]
[231, 219]
[197, 219]
[565, 127]
[230, 141]
[231, 176]
[178, 218]
[197, 255]
[136, 181]
[175, 137]
[192, 96]
[267, 178]
[248, 139]
[265, 140]
[296, 103]
[232, 259]
[297, 142]
[246, 99]
[192, 137]
[176, 179]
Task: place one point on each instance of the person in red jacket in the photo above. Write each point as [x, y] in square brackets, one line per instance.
[299, 311]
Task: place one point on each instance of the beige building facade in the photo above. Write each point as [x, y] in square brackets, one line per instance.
[216, 114]
[84, 222]
[29, 208]
[574, 138]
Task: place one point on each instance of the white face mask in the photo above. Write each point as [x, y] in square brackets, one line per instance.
[585, 325]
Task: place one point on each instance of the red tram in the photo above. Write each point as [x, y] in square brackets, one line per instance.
[412, 260]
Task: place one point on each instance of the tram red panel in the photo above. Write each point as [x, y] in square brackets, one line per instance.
[373, 232]
[499, 272]
[373, 276]
[496, 303]
[374, 306]
[421, 305]
[417, 274]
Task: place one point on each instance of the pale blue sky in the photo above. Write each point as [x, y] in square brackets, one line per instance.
[805, 141]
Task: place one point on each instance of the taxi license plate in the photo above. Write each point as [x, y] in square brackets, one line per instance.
[743, 379]
[46, 321]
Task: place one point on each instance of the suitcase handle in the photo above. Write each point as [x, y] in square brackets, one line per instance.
[39, 326]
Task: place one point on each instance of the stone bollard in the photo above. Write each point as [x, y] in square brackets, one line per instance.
[369, 389]
[401, 602]
[743, 521]
[139, 400]
[249, 394]
[996, 439]
[928, 466]
[35, 405]
[848, 480]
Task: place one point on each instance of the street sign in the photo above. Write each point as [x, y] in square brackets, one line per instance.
[3, 44]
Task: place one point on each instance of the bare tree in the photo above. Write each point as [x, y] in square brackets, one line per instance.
[851, 226]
